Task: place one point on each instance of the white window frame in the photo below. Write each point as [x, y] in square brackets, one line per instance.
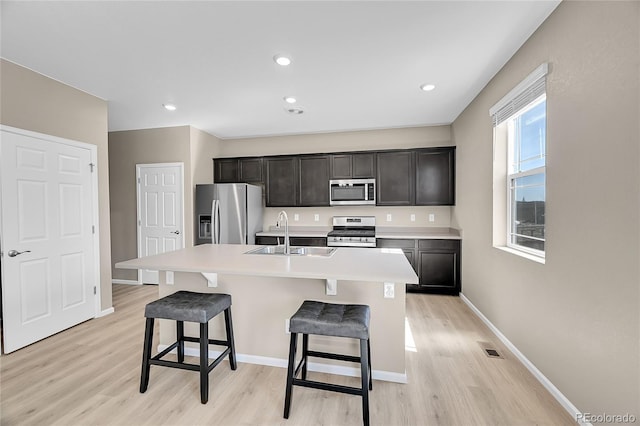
[526, 95]
[513, 175]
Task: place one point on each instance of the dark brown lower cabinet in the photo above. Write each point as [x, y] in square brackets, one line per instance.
[436, 262]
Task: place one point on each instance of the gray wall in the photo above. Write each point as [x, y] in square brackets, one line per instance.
[31, 101]
[184, 144]
[577, 316]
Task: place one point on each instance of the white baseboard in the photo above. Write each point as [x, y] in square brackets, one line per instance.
[387, 376]
[105, 312]
[559, 396]
[129, 282]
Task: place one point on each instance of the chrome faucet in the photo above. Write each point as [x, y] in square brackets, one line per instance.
[283, 215]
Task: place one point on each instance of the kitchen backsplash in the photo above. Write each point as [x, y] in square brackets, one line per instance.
[399, 216]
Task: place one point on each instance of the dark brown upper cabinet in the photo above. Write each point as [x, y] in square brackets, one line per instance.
[314, 180]
[356, 165]
[250, 170]
[225, 170]
[233, 170]
[404, 177]
[281, 181]
[395, 178]
[435, 177]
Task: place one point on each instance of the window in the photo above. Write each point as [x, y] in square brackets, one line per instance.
[520, 166]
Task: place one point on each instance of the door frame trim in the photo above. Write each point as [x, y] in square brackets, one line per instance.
[180, 165]
[93, 150]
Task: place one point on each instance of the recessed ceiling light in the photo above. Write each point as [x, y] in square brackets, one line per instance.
[290, 99]
[294, 110]
[427, 87]
[169, 107]
[282, 60]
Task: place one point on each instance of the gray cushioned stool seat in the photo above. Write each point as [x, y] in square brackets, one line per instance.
[330, 319]
[188, 306]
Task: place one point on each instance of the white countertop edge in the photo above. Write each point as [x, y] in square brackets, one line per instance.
[199, 260]
[307, 275]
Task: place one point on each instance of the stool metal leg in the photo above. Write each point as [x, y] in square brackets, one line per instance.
[370, 368]
[305, 349]
[232, 347]
[180, 340]
[290, 369]
[364, 371]
[204, 362]
[146, 355]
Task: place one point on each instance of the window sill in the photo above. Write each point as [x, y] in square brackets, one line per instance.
[529, 256]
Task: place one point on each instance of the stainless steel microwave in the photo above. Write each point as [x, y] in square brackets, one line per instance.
[352, 192]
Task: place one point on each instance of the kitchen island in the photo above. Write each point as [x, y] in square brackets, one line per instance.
[267, 289]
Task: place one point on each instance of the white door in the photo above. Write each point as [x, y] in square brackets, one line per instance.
[48, 252]
[160, 212]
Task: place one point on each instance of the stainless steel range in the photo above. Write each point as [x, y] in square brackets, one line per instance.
[352, 231]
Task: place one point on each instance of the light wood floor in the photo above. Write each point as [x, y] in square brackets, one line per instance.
[89, 375]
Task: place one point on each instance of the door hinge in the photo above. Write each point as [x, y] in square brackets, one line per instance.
[93, 229]
[139, 180]
[94, 289]
[91, 166]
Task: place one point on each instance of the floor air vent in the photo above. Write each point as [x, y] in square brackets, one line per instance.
[492, 353]
[489, 350]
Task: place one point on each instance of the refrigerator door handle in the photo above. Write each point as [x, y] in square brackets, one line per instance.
[215, 218]
[218, 222]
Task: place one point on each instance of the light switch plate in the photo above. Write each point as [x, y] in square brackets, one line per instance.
[296, 217]
[432, 217]
[412, 217]
[316, 217]
[388, 217]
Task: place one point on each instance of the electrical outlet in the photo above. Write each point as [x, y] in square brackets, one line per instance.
[169, 277]
[286, 326]
[432, 217]
[316, 217]
[412, 217]
[388, 217]
[296, 217]
[389, 290]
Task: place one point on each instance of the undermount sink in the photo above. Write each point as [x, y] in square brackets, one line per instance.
[294, 251]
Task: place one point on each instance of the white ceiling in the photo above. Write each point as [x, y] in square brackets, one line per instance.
[356, 64]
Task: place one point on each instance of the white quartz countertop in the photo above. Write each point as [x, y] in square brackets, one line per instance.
[412, 233]
[353, 264]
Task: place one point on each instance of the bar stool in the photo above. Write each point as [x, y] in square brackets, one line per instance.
[329, 319]
[191, 307]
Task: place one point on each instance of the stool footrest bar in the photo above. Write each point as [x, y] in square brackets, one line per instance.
[185, 366]
[328, 355]
[327, 386]
[300, 365]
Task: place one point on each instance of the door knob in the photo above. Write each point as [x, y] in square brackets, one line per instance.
[14, 253]
[176, 232]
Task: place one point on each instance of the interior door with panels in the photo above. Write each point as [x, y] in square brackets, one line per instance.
[49, 245]
[160, 212]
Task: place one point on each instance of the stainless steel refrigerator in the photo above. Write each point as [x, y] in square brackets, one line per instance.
[228, 213]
